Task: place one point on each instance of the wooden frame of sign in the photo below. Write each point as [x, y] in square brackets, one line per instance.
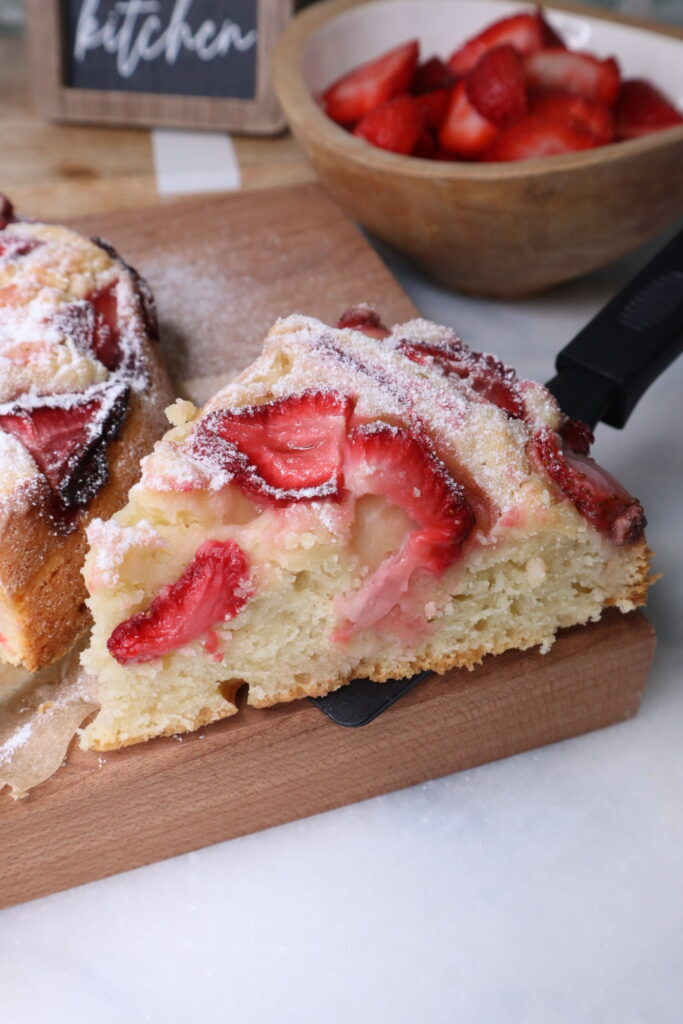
[59, 100]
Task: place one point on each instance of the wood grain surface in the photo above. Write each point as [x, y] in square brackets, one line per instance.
[99, 816]
[222, 270]
[56, 172]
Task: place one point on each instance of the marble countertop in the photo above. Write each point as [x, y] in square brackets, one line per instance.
[545, 888]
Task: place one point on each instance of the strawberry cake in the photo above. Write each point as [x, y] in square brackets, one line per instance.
[82, 393]
[358, 503]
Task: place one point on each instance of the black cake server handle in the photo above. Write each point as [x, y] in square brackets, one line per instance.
[601, 375]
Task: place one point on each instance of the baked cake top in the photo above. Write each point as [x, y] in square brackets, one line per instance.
[73, 322]
[486, 426]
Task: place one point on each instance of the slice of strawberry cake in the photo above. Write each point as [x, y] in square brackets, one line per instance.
[82, 393]
[358, 503]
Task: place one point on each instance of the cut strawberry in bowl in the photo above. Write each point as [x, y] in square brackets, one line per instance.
[536, 136]
[579, 74]
[287, 450]
[425, 147]
[433, 75]
[496, 86]
[586, 115]
[359, 91]
[464, 132]
[641, 108]
[526, 32]
[395, 125]
[214, 588]
[433, 107]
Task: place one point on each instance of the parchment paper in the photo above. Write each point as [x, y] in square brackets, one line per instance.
[39, 716]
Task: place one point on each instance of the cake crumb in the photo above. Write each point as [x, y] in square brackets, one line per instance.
[181, 412]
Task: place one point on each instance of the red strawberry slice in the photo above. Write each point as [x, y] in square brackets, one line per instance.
[395, 125]
[580, 74]
[550, 36]
[391, 462]
[433, 107]
[394, 464]
[68, 443]
[490, 378]
[357, 93]
[497, 87]
[577, 435]
[425, 147]
[11, 247]
[213, 588]
[6, 211]
[526, 32]
[106, 337]
[595, 493]
[536, 136]
[362, 318]
[434, 74]
[464, 131]
[149, 310]
[287, 450]
[583, 114]
[641, 108]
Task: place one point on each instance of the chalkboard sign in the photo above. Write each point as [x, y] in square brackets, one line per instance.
[196, 63]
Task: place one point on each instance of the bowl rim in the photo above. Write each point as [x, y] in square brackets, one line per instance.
[300, 106]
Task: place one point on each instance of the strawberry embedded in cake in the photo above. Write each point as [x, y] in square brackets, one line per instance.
[360, 502]
[82, 393]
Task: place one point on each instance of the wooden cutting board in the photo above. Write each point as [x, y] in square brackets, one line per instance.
[222, 270]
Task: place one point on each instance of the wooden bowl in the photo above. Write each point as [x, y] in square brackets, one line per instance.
[499, 230]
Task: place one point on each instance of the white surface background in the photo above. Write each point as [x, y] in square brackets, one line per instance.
[546, 888]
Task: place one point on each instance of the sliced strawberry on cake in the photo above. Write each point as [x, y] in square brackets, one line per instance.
[82, 393]
[358, 503]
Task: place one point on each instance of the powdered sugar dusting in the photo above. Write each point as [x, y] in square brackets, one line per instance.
[481, 445]
[51, 336]
[17, 465]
